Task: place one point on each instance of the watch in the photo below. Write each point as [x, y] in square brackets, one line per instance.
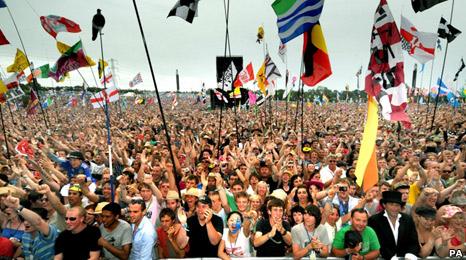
[19, 209]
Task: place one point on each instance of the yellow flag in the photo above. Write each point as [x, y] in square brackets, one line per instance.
[262, 79]
[101, 67]
[3, 88]
[63, 47]
[366, 168]
[20, 63]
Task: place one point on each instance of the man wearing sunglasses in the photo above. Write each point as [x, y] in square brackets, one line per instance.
[345, 201]
[78, 241]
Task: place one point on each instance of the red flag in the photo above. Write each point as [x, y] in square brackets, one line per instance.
[54, 24]
[33, 103]
[385, 76]
[316, 61]
[3, 39]
[246, 75]
[11, 81]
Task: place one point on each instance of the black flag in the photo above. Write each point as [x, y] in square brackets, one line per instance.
[447, 31]
[421, 5]
[459, 70]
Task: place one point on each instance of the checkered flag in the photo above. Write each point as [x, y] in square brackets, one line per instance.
[185, 9]
[405, 45]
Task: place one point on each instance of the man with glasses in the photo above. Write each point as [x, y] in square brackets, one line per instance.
[144, 235]
[78, 241]
[330, 172]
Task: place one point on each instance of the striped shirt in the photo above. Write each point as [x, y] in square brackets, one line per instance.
[40, 246]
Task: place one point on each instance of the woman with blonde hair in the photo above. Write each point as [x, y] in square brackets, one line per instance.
[262, 190]
[453, 233]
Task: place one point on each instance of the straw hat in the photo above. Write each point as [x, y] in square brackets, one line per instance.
[99, 207]
[172, 195]
[279, 194]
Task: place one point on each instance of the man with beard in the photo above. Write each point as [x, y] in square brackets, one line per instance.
[78, 241]
[39, 237]
[116, 234]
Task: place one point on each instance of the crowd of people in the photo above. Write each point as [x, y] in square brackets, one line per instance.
[262, 185]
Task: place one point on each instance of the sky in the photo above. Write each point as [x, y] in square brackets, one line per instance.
[192, 48]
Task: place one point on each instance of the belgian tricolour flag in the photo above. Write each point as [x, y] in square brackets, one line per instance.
[315, 56]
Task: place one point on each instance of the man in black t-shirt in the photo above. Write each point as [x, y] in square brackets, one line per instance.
[78, 241]
[272, 234]
[204, 230]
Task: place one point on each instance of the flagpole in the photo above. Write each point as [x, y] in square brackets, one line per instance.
[107, 122]
[11, 113]
[167, 135]
[34, 80]
[441, 74]
[4, 133]
[429, 88]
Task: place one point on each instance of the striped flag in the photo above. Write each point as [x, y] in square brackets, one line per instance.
[271, 70]
[294, 17]
[136, 80]
[316, 61]
[246, 75]
[11, 81]
[385, 75]
[447, 31]
[108, 95]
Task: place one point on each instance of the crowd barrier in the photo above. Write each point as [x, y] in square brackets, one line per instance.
[289, 258]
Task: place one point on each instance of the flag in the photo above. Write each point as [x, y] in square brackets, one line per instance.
[421, 5]
[48, 102]
[2, 4]
[271, 70]
[463, 92]
[108, 77]
[237, 92]
[62, 48]
[282, 52]
[293, 80]
[72, 59]
[447, 31]
[150, 101]
[42, 71]
[459, 70]
[3, 39]
[439, 45]
[261, 78]
[453, 100]
[366, 169]
[385, 76]
[220, 96]
[20, 63]
[252, 98]
[136, 80]
[32, 104]
[3, 88]
[174, 102]
[316, 61]
[185, 9]
[294, 17]
[101, 66]
[139, 100]
[444, 90]
[358, 73]
[260, 34]
[421, 45]
[54, 24]
[228, 77]
[246, 75]
[11, 81]
[325, 99]
[21, 76]
[72, 102]
[105, 96]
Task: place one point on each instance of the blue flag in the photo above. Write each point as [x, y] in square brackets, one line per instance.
[453, 100]
[2, 4]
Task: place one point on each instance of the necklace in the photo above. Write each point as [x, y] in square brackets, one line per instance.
[233, 245]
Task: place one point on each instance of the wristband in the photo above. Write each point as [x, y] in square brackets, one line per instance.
[19, 209]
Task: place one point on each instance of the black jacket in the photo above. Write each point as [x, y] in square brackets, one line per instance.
[407, 236]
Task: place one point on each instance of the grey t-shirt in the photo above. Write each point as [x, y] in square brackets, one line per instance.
[120, 236]
[302, 237]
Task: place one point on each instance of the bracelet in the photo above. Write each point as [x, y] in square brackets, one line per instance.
[19, 209]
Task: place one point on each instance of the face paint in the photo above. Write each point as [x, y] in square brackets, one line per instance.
[237, 227]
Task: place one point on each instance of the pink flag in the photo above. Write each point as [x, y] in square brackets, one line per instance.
[54, 24]
[252, 98]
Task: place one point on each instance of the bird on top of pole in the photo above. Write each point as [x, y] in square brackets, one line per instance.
[98, 22]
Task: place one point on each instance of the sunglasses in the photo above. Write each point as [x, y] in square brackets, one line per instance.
[70, 218]
[137, 201]
[343, 188]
